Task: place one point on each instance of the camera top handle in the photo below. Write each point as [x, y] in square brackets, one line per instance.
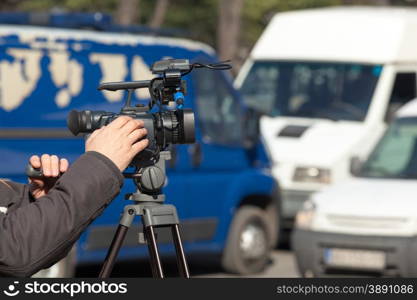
[167, 87]
[124, 85]
[161, 68]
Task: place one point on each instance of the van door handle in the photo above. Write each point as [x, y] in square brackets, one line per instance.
[196, 154]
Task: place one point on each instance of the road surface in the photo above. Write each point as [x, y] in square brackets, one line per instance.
[282, 265]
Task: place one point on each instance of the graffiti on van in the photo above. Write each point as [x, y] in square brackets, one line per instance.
[20, 71]
[19, 76]
[27, 69]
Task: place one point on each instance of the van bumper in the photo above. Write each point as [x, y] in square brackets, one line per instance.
[309, 247]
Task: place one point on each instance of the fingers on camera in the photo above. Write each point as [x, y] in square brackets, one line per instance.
[137, 134]
[119, 122]
[35, 161]
[132, 125]
[54, 166]
[51, 165]
[63, 165]
[139, 146]
[46, 165]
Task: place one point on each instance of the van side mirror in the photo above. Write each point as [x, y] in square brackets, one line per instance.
[251, 127]
[355, 165]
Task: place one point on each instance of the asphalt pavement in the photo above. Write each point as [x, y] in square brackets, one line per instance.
[282, 264]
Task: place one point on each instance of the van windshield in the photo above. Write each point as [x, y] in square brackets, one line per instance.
[395, 156]
[336, 91]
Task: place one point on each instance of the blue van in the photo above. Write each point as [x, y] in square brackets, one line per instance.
[221, 185]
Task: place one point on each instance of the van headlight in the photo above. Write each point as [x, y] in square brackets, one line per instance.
[304, 218]
[311, 174]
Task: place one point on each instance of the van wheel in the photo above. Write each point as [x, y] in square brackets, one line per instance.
[65, 268]
[248, 246]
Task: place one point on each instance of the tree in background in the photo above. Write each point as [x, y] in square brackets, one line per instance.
[127, 12]
[9, 4]
[228, 28]
[159, 14]
[231, 26]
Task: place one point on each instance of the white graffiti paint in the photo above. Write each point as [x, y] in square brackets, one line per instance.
[18, 78]
[113, 68]
[140, 71]
[67, 75]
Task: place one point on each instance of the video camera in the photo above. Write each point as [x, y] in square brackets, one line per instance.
[164, 126]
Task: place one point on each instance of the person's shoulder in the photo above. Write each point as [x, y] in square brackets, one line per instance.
[10, 185]
[6, 195]
[8, 191]
[5, 186]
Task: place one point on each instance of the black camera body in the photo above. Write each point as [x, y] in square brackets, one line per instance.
[164, 126]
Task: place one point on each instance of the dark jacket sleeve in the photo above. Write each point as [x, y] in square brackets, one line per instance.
[34, 235]
[14, 195]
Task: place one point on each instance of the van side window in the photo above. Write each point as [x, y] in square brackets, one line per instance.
[218, 109]
[404, 90]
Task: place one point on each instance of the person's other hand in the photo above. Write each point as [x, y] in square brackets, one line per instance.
[120, 141]
[51, 167]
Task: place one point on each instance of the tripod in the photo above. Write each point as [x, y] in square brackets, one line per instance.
[148, 200]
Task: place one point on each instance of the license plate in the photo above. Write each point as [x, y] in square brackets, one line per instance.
[355, 258]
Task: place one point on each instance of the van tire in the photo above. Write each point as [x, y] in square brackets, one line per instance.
[251, 256]
[65, 268]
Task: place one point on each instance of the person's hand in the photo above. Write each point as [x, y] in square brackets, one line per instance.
[120, 141]
[51, 167]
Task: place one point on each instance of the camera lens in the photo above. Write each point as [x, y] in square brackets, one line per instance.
[177, 127]
[187, 126]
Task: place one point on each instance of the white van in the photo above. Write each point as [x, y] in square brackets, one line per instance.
[328, 80]
[367, 224]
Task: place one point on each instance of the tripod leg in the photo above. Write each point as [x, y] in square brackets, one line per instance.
[181, 260]
[116, 243]
[153, 252]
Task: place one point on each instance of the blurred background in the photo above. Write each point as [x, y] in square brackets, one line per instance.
[231, 27]
[305, 162]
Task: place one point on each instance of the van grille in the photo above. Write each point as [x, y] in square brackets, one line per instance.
[367, 222]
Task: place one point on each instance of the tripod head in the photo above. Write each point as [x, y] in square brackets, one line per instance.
[149, 177]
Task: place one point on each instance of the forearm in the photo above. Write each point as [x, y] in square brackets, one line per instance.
[35, 235]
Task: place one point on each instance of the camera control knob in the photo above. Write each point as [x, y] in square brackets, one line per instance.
[153, 178]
